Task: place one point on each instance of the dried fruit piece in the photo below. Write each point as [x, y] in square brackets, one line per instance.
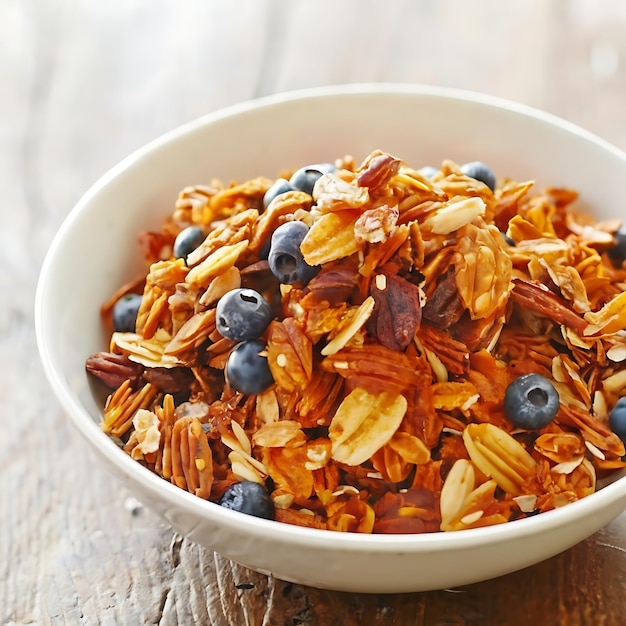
[397, 312]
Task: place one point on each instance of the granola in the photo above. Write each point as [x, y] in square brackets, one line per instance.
[429, 297]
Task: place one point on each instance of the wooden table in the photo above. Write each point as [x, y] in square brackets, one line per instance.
[83, 83]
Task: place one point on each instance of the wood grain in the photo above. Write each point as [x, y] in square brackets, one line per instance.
[84, 83]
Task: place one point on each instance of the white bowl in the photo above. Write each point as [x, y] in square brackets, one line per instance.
[95, 251]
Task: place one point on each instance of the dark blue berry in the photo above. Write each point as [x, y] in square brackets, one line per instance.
[187, 241]
[617, 253]
[617, 419]
[479, 171]
[250, 498]
[305, 178]
[285, 258]
[531, 402]
[242, 314]
[280, 187]
[247, 370]
[125, 313]
[507, 239]
[428, 171]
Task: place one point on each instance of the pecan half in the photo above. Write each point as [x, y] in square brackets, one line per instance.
[377, 170]
[541, 300]
[113, 369]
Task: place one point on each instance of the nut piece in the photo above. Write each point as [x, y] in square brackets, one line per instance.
[113, 369]
[192, 461]
[122, 405]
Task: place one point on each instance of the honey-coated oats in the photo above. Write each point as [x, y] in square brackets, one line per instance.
[391, 364]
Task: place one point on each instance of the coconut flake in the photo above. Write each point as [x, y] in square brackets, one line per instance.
[526, 503]
[568, 466]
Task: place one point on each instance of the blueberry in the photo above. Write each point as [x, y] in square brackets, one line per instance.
[187, 240]
[428, 171]
[617, 253]
[280, 187]
[285, 258]
[125, 313]
[531, 402]
[247, 371]
[242, 314]
[250, 498]
[617, 419]
[305, 178]
[507, 239]
[481, 172]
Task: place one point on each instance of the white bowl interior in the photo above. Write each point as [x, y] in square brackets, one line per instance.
[95, 251]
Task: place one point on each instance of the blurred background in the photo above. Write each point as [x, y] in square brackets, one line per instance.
[101, 78]
[83, 84]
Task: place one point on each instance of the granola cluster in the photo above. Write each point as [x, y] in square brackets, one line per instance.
[390, 365]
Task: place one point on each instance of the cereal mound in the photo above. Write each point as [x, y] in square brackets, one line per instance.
[425, 296]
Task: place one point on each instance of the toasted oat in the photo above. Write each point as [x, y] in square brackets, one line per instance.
[499, 456]
[331, 238]
[364, 423]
